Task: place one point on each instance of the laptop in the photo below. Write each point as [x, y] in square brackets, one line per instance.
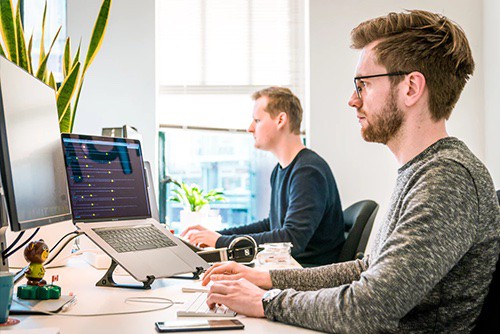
[110, 204]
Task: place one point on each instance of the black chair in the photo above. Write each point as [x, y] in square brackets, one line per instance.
[487, 322]
[358, 220]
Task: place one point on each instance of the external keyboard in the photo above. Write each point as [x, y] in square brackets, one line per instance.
[134, 238]
[199, 308]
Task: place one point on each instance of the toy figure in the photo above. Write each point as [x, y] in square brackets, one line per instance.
[36, 253]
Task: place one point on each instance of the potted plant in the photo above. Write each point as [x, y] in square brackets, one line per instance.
[16, 49]
[196, 204]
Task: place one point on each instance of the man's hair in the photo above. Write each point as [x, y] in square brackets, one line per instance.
[429, 43]
[282, 99]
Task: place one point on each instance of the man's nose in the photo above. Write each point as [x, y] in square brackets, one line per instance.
[355, 101]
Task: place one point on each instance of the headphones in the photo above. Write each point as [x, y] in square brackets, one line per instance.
[241, 249]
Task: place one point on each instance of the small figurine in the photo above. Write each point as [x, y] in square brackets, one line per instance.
[37, 288]
[36, 253]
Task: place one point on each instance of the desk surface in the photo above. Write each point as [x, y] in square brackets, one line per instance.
[80, 278]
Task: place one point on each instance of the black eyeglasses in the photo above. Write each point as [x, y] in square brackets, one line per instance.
[358, 88]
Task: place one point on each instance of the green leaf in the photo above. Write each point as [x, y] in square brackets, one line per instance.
[64, 98]
[42, 68]
[30, 47]
[42, 41]
[52, 81]
[2, 52]
[66, 61]
[21, 42]
[97, 34]
[77, 99]
[193, 197]
[77, 55]
[8, 29]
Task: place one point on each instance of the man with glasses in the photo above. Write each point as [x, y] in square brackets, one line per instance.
[434, 255]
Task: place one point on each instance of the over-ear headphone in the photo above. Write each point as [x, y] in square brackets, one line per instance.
[241, 249]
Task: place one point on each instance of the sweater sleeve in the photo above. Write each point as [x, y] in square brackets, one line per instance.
[435, 229]
[229, 234]
[319, 277]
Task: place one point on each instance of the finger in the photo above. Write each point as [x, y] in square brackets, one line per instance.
[224, 277]
[190, 228]
[216, 298]
[222, 287]
[198, 239]
[193, 237]
[216, 268]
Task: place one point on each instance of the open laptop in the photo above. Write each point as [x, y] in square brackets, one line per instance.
[110, 204]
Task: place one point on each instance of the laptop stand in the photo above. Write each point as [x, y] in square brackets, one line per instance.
[107, 279]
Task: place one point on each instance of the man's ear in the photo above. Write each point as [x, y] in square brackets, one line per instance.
[414, 88]
[281, 120]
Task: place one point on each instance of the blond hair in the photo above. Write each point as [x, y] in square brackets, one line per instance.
[281, 99]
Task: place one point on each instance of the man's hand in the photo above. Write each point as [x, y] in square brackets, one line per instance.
[239, 295]
[231, 271]
[199, 235]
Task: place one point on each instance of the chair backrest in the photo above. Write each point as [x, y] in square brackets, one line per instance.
[488, 322]
[358, 219]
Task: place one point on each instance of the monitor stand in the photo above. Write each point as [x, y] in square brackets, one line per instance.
[4, 223]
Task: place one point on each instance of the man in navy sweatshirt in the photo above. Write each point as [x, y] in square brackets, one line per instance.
[305, 204]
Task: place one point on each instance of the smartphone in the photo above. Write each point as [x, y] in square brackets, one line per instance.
[197, 325]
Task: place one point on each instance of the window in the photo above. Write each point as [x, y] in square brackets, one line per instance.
[212, 56]
[32, 22]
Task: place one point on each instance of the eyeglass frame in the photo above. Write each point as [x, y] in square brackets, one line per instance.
[391, 74]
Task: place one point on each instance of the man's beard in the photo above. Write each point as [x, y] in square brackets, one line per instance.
[386, 124]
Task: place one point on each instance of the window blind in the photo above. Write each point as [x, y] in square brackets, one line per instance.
[213, 54]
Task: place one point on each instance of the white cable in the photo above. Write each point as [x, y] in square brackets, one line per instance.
[149, 300]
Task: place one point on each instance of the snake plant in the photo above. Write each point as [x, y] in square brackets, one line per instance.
[15, 48]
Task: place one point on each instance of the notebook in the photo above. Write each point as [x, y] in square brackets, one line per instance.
[109, 201]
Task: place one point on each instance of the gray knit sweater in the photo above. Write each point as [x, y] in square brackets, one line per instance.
[431, 264]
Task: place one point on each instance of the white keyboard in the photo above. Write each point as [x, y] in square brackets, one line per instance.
[199, 308]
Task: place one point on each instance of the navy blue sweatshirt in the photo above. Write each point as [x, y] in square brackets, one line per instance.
[305, 210]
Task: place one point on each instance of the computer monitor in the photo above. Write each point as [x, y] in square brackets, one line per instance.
[34, 187]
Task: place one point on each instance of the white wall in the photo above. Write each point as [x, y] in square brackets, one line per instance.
[491, 85]
[366, 170]
[119, 86]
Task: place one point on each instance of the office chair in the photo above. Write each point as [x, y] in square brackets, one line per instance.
[358, 220]
[488, 322]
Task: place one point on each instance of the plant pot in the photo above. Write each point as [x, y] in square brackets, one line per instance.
[209, 219]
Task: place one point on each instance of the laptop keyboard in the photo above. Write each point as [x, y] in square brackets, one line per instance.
[199, 308]
[134, 238]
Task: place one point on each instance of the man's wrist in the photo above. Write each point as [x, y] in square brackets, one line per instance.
[268, 297]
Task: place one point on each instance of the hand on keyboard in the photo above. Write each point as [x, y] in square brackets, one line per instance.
[199, 308]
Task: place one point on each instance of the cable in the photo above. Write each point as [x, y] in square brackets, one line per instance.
[67, 234]
[148, 300]
[20, 274]
[23, 244]
[6, 250]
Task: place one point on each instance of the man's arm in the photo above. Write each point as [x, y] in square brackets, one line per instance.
[260, 226]
[305, 208]
[429, 239]
[328, 276]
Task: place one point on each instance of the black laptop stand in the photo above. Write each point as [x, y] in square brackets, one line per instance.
[107, 279]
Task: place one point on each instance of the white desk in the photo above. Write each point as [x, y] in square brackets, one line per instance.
[80, 278]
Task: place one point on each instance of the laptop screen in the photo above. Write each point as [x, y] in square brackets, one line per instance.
[105, 178]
